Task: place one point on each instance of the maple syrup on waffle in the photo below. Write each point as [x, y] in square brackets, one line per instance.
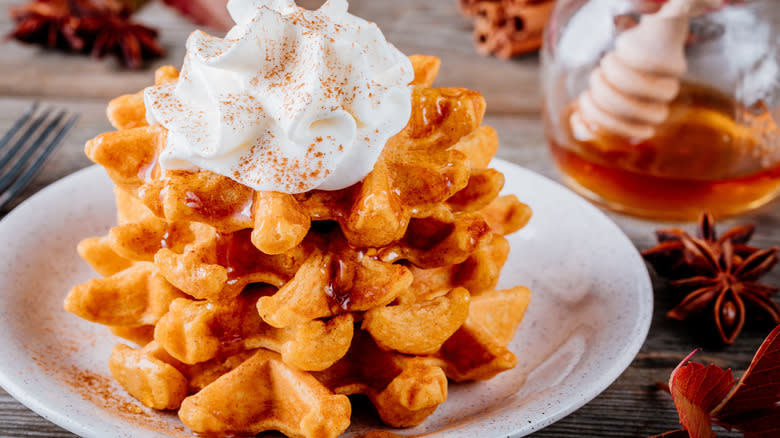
[711, 154]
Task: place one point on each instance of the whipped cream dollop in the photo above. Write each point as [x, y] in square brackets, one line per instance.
[290, 100]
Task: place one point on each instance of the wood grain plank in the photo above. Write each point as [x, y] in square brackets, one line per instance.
[18, 421]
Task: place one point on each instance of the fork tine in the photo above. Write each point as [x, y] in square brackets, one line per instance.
[30, 173]
[18, 124]
[6, 180]
[31, 128]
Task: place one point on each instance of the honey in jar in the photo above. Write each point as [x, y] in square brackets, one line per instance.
[711, 154]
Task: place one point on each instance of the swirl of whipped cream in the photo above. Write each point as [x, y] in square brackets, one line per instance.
[290, 100]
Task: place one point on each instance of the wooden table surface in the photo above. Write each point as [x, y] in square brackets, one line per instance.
[630, 407]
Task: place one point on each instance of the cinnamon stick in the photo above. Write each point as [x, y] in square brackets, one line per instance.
[468, 8]
[506, 28]
[525, 23]
[489, 21]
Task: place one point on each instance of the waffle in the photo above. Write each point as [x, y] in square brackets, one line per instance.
[386, 288]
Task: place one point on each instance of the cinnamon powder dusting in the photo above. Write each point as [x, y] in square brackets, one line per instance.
[101, 390]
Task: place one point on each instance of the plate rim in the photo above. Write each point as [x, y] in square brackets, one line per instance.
[600, 384]
[645, 294]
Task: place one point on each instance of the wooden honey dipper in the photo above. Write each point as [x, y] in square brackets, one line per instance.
[630, 91]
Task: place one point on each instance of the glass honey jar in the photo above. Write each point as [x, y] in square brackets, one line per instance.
[662, 109]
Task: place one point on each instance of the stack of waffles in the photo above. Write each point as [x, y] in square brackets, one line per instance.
[254, 311]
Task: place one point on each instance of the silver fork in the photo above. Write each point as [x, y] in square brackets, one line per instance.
[22, 154]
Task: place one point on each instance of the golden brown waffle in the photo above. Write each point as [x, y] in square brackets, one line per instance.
[404, 389]
[259, 311]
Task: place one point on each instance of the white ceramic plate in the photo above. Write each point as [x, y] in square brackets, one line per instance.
[589, 314]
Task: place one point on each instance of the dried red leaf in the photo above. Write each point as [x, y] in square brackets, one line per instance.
[704, 395]
[752, 406]
[211, 13]
[697, 390]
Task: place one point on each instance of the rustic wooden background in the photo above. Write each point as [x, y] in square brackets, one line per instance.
[631, 407]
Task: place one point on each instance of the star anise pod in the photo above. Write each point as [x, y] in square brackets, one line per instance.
[98, 27]
[718, 274]
[48, 22]
[115, 33]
